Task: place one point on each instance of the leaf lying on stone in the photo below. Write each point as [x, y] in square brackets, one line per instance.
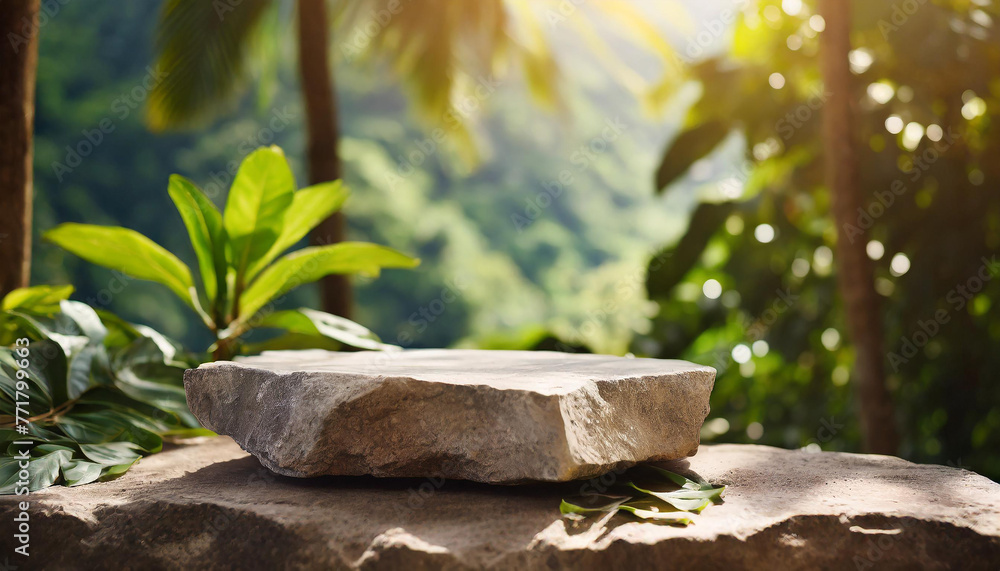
[651, 494]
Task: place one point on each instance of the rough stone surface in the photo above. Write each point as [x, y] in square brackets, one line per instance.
[211, 506]
[486, 416]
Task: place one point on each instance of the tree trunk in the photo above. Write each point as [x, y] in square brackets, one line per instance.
[854, 272]
[321, 126]
[18, 60]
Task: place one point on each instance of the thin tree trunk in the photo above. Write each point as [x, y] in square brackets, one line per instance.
[854, 272]
[321, 125]
[18, 60]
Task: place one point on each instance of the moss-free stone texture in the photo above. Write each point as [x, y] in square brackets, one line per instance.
[486, 416]
[212, 506]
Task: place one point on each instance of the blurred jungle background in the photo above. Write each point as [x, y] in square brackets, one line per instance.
[640, 177]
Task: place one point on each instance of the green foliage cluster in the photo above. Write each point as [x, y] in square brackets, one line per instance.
[97, 392]
[237, 252]
[651, 494]
[927, 124]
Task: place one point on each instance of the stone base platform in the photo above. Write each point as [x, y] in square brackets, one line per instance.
[212, 506]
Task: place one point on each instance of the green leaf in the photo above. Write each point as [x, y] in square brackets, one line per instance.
[85, 320]
[203, 48]
[78, 472]
[126, 251]
[112, 472]
[47, 375]
[309, 207]
[312, 322]
[290, 342]
[674, 478]
[260, 195]
[680, 500]
[39, 387]
[111, 453]
[43, 471]
[687, 148]
[204, 225]
[38, 299]
[591, 504]
[83, 360]
[658, 512]
[310, 264]
[648, 501]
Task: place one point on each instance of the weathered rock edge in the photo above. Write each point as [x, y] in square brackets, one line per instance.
[211, 506]
[486, 416]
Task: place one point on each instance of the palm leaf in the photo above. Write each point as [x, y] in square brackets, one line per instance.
[202, 48]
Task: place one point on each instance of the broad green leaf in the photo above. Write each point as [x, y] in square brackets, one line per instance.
[85, 320]
[165, 397]
[591, 504]
[83, 430]
[681, 500]
[204, 225]
[687, 148]
[83, 360]
[658, 512]
[309, 207]
[39, 390]
[677, 479]
[310, 264]
[255, 210]
[43, 471]
[312, 322]
[187, 433]
[112, 472]
[47, 375]
[39, 299]
[111, 453]
[289, 342]
[112, 398]
[79, 472]
[126, 251]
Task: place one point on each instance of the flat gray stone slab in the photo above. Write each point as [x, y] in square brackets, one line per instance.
[487, 416]
[211, 506]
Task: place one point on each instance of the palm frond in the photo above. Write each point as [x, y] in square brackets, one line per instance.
[202, 48]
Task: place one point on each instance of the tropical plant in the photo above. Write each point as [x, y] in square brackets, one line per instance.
[84, 393]
[439, 48]
[649, 493]
[237, 250]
